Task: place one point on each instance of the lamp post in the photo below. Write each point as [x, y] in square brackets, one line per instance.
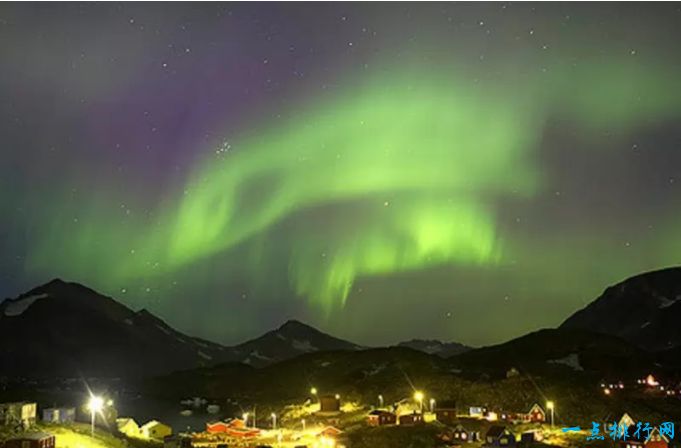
[245, 417]
[274, 421]
[550, 406]
[303, 422]
[380, 401]
[432, 404]
[95, 404]
[418, 396]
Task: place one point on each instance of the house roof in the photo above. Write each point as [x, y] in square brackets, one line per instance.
[151, 424]
[496, 431]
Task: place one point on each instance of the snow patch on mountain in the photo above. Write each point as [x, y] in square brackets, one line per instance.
[571, 360]
[17, 308]
[303, 346]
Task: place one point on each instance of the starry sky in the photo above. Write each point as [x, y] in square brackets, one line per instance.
[383, 171]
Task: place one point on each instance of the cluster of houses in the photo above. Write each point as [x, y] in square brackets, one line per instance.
[22, 415]
[152, 430]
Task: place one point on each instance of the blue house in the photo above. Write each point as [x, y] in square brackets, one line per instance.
[499, 436]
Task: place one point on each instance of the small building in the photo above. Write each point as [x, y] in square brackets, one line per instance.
[22, 413]
[445, 412]
[381, 418]
[329, 403]
[128, 426]
[499, 436]
[31, 440]
[477, 411]
[224, 426]
[462, 435]
[531, 436]
[410, 419]
[155, 430]
[536, 414]
[330, 432]
[59, 415]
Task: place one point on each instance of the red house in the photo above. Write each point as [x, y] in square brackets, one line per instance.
[536, 414]
[223, 427]
[652, 440]
[379, 418]
[410, 419]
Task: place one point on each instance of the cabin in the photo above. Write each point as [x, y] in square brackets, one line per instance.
[653, 440]
[330, 432]
[329, 403]
[18, 414]
[381, 418]
[59, 415]
[532, 436]
[128, 426]
[410, 419]
[463, 435]
[499, 436]
[536, 414]
[31, 440]
[155, 430]
[445, 412]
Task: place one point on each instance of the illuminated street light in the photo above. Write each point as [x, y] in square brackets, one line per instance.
[337, 397]
[95, 405]
[550, 406]
[380, 401]
[274, 421]
[313, 391]
[432, 404]
[418, 396]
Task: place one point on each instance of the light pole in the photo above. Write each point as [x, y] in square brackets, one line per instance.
[274, 421]
[380, 401]
[432, 404]
[95, 405]
[245, 417]
[303, 422]
[418, 396]
[550, 406]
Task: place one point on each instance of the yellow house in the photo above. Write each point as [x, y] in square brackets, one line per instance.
[155, 430]
[128, 426]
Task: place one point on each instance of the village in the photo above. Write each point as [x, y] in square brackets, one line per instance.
[323, 420]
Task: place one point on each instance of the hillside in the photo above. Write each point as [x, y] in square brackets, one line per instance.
[435, 347]
[644, 310]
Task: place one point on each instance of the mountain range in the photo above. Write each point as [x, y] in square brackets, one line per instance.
[67, 330]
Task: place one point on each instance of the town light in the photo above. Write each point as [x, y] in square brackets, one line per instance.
[380, 400]
[245, 418]
[432, 404]
[606, 391]
[95, 405]
[313, 391]
[550, 406]
[418, 396]
[337, 396]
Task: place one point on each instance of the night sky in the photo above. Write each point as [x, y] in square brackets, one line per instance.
[467, 172]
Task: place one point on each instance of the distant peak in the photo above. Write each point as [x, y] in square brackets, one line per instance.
[293, 324]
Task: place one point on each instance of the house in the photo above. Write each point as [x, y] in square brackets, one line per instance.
[155, 430]
[329, 403]
[59, 415]
[410, 419]
[21, 413]
[652, 440]
[461, 434]
[128, 426]
[477, 411]
[380, 418]
[532, 436]
[31, 440]
[499, 436]
[225, 426]
[536, 414]
[445, 412]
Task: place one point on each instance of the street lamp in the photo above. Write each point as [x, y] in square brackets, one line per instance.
[432, 404]
[550, 406]
[380, 401]
[274, 421]
[303, 422]
[245, 417]
[95, 405]
[418, 396]
[313, 391]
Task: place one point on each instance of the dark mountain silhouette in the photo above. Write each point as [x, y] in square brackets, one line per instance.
[644, 310]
